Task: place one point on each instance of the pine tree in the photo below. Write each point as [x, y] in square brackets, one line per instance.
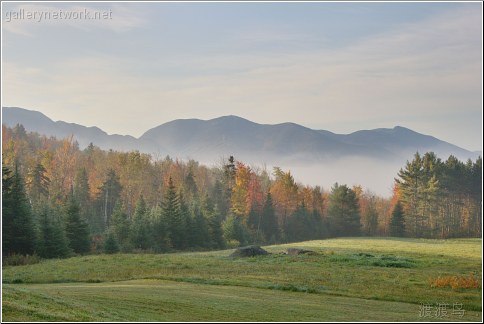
[172, 216]
[397, 224]
[18, 232]
[82, 195]
[200, 235]
[109, 194]
[268, 223]
[234, 230]
[120, 225]
[38, 183]
[77, 231]
[190, 185]
[411, 184]
[7, 211]
[159, 235]
[186, 221]
[140, 228]
[52, 241]
[111, 245]
[343, 211]
[214, 224]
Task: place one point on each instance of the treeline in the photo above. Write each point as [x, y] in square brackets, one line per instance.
[59, 200]
[441, 199]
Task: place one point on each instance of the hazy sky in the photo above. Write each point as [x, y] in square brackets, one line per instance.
[335, 66]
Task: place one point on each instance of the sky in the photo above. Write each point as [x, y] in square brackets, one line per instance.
[341, 67]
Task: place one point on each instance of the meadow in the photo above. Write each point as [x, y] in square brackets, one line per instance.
[346, 279]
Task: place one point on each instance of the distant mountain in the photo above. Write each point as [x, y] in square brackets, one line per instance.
[232, 135]
[316, 155]
[35, 121]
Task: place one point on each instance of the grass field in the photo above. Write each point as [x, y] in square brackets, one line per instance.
[351, 279]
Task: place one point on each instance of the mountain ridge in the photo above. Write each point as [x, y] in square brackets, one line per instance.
[314, 155]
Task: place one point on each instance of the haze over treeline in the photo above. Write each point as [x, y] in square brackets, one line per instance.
[59, 199]
[369, 158]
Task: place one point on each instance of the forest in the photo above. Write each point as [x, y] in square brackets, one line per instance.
[59, 201]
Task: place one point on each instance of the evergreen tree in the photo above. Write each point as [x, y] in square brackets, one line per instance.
[159, 235]
[77, 231]
[111, 245]
[343, 211]
[140, 228]
[269, 221]
[173, 218]
[38, 183]
[82, 195]
[18, 230]
[397, 224]
[7, 211]
[299, 227]
[120, 225]
[369, 215]
[52, 241]
[214, 224]
[234, 230]
[199, 236]
[410, 182]
[109, 194]
[190, 185]
[186, 221]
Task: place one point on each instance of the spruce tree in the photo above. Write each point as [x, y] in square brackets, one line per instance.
[18, 232]
[397, 222]
[158, 230]
[140, 228]
[234, 230]
[109, 194]
[111, 245]
[269, 221]
[173, 218]
[77, 231]
[121, 225]
[52, 241]
[343, 211]
[38, 183]
[199, 236]
[214, 224]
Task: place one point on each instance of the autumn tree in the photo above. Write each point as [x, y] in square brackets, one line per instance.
[284, 193]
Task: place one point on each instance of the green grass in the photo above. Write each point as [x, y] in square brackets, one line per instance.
[343, 279]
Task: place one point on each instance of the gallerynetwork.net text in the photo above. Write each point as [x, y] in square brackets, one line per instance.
[40, 15]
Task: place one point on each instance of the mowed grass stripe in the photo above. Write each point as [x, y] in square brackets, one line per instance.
[154, 300]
